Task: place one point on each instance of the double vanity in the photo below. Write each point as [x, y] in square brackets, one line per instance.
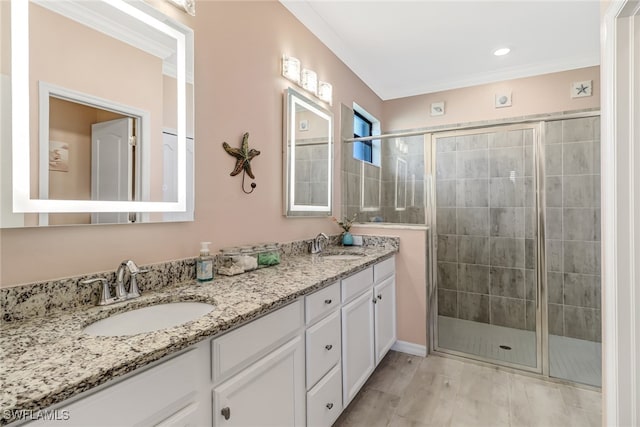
[285, 345]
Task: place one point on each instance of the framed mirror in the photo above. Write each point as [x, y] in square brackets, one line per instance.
[100, 114]
[308, 157]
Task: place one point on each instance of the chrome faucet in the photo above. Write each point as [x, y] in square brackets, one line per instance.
[134, 291]
[315, 247]
[121, 293]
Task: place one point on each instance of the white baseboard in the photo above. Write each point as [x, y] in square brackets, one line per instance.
[410, 348]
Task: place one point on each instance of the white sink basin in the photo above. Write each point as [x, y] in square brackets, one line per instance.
[342, 257]
[148, 319]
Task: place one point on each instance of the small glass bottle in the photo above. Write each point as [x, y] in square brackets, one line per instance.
[204, 264]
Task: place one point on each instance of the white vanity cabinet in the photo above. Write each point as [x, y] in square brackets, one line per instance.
[169, 393]
[384, 292]
[299, 365]
[259, 372]
[358, 340]
[268, 393]
[368, 323]
[323, 352]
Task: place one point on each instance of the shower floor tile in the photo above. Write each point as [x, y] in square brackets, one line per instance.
[571, 359]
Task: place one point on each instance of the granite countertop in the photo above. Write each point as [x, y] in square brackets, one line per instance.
[46, 360]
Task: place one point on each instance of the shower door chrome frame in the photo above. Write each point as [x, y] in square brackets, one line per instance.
[538, 176]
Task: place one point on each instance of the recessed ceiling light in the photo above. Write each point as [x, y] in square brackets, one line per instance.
[502, 51]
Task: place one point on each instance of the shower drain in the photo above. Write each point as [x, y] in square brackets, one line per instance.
[505, 347]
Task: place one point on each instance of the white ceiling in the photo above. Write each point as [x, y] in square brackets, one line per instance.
[405, 48]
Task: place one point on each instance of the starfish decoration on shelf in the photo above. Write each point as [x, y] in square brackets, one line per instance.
[243, 156]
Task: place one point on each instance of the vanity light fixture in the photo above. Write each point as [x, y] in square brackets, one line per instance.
[502, 51]
[309, 81]
[291, 68]
[188, 6]
[325, 92]
[306, 78]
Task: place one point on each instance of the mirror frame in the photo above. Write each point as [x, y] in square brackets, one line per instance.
[21, 178]
[291, 99]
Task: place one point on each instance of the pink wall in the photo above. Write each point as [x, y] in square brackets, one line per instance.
[238, 89]
[411, 280]
[546, 93]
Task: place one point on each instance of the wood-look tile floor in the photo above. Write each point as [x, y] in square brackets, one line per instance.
[414, 391]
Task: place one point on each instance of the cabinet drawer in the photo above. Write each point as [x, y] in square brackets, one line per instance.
[237, 349]
[353, 286]
[321, 302]
[323, 347]
[384, 269]
[324, 401]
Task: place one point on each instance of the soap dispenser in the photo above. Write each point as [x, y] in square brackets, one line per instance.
[204, 263]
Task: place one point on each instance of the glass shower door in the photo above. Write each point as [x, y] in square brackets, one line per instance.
[572, 194]
[487, 245]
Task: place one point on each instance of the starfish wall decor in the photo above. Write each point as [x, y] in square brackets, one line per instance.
[243, 160]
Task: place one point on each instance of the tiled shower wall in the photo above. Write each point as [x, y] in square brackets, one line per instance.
[392, 192]
[572, 175]
[486, 253]
[311, 172]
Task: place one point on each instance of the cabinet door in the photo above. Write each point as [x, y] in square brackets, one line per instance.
[385, 316]
[358, 361]
[270, 392]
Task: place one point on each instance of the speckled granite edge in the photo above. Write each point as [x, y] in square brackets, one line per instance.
[46, 360]
[44, 298]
